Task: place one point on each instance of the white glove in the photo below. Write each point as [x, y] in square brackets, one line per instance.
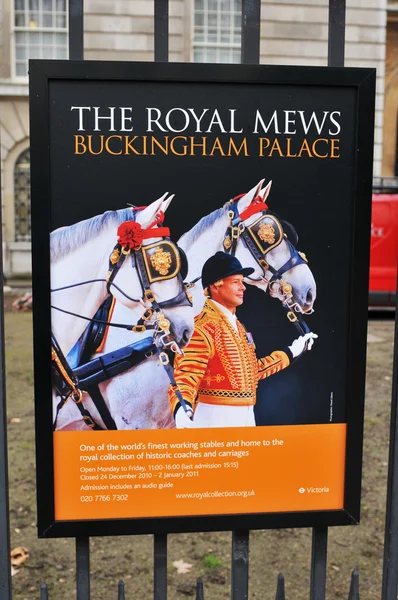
[303, 343]
[182, 420]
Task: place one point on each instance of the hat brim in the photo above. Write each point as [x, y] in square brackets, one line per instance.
[246, 271]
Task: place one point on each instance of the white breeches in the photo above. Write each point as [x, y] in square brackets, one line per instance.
[214, 415]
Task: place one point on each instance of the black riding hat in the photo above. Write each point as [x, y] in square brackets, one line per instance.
[222, 265]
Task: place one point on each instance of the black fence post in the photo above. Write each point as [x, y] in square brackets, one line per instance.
[390, 563]
[76, 30]
[161, 54]
[83, 568]
[318, 563]
[160, 567]
[120, 590]
[251, 13]
[354, 586]
[250, 54]
[336, 35]
[280, 588]
[199, 590]
[336, 41]
[240, 565]
[5, 564]
[43, 592]
[161, 30]
[76, 52]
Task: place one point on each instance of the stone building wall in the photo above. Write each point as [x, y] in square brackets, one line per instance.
[292, 32]
[123, 30]
[295, 33]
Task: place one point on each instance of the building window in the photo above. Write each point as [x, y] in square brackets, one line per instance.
[217, 31]
[22, 197]
[40, 31]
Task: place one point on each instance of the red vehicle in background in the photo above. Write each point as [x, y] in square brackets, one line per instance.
[384, 242]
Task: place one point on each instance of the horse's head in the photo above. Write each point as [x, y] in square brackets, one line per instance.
[150, 278]
[269, 245]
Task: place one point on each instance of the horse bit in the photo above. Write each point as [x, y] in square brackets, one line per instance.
[158, 261]
[260, 237]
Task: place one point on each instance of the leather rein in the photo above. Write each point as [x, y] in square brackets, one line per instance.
[277, 286]
[69, 382]
[116, 260]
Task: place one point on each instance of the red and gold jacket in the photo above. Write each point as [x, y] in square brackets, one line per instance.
[219, 366]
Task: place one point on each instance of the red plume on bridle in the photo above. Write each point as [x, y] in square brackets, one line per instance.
[256, 206]
[131, 234]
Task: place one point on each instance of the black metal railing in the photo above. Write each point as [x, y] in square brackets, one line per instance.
[353, 593]
[240, 539]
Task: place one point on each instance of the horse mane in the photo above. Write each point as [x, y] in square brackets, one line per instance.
[205, 222]
[67, 239]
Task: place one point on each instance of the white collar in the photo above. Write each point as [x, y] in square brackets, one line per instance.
[230, 316]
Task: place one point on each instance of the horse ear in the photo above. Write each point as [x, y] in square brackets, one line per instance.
[146, 216]
[166, 203]
[249, 197]
[264, 193]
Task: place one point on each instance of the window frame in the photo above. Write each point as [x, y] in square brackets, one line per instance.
[216, 46]
[28, 236]
[14, 29]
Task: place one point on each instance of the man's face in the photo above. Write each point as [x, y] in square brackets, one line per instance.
[230, 294]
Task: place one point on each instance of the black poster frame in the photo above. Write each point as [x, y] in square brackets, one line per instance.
[363, 82]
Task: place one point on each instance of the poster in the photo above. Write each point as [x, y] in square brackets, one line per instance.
[141, 173]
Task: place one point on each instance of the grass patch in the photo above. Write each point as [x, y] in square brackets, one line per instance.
[131, 557]
[211, 561]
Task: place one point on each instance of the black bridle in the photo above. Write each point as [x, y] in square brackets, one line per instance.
[277, 286]
[154, 262]
[116, 260]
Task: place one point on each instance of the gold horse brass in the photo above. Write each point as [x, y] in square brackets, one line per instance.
[266, 233]
[162, 260]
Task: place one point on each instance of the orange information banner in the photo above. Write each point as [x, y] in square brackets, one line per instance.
[128, 474]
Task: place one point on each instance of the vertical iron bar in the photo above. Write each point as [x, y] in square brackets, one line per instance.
[5, 565]
[82, 568]
[354, 586]
[120, 590]
[76, 52]
[240, 565]
[199, 589]
[160, 567]
[336, 35]
[76, 32]
[161, 30]
[251, 15]
[161, 54]
[43, 592]
[280, 588]
[336, 40]
[250, 54]
[390, 563]
[318, 563]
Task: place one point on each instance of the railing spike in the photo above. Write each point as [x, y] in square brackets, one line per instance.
[280, 588]
[199, 589]
[354, 587]
[43, 591]
[120, 590]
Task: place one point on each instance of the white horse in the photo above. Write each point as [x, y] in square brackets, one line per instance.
[137, 398]
[207, 237]
[151, 381]
[80, 253]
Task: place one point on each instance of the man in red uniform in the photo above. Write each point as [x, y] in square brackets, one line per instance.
[219, 371]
